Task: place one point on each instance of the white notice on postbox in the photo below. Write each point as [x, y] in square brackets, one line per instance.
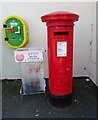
[61, 49]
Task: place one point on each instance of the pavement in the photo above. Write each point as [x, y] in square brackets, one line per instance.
[36, 106]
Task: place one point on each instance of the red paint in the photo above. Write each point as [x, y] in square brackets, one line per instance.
[35, 83]
[60, 68]
[11, 30]
[31, 70]
[32, 53]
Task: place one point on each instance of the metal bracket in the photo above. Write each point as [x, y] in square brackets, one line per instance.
[6, 39]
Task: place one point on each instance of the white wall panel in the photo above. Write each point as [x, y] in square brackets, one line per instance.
[32, 12]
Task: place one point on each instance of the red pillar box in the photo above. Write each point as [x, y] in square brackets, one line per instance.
[60, 55]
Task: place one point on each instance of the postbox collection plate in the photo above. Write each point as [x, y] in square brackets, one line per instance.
[61, 49]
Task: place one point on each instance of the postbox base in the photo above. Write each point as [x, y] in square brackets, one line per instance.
[60, 101]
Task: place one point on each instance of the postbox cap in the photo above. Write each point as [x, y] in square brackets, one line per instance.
[60, 15]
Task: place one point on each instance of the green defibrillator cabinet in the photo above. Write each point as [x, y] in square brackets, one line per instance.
[15, 32]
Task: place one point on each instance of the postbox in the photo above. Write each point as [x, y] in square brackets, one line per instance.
[15, 32]
[60, 55]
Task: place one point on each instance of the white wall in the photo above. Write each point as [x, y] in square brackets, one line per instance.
[0, 62]
[32, 12]
[93, 46]
[0, 40]
[97, 41]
